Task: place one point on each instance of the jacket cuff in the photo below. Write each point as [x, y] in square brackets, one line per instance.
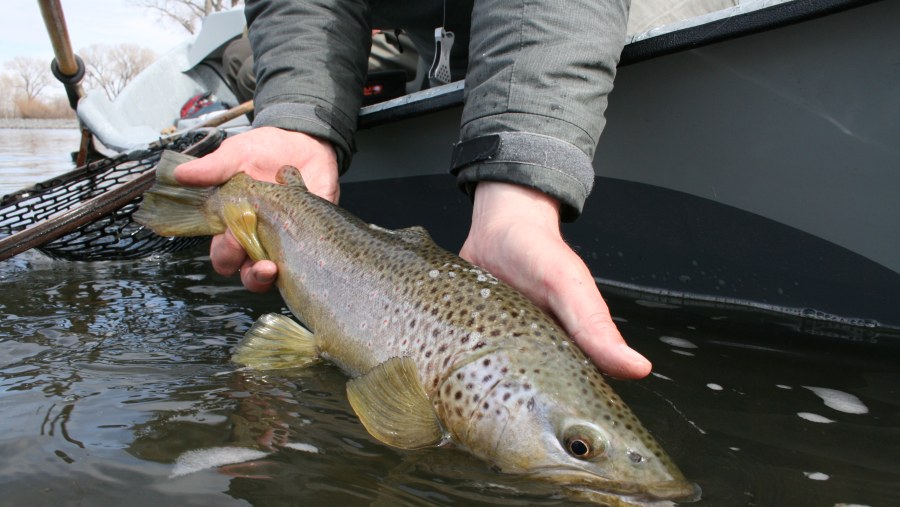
[313, 120]
[554, 167]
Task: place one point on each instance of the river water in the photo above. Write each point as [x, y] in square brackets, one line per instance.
[116, 387]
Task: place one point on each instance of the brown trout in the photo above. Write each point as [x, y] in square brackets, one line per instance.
[440, 352]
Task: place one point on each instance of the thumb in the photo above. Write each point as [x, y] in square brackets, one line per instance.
[211, 170]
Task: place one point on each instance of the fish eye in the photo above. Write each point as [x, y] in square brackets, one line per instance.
[578, 447]
[583, 442]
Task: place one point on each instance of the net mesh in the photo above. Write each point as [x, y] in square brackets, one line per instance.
[112, 236]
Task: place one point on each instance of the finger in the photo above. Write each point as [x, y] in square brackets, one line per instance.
[574, 298]
[258, 276]
[226, 254]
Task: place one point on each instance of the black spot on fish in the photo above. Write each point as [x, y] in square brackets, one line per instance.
[486, 362]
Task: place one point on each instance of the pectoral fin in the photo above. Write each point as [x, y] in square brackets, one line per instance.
[275, 342]
[241, 220]
[393, 407]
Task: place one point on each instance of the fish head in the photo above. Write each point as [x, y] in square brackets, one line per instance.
[576, 434]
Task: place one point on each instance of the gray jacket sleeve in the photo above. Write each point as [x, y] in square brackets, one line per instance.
[310, 64]
[536, 92]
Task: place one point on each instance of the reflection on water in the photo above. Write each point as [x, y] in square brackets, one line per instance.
[111, 372]
[28, 156]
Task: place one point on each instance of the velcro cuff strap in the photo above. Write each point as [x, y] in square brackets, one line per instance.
[565, 159]
[521, 148]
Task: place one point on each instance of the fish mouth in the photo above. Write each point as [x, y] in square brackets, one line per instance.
[585, 484]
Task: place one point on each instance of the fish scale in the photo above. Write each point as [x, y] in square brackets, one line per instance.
[439, 350]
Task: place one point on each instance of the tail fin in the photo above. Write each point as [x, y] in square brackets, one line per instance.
[174, 210]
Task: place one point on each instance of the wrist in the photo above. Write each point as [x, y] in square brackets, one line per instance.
[500, 202]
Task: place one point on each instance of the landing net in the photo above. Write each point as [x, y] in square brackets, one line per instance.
[85, 214]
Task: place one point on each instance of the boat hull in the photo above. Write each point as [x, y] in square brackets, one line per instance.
[760, 171]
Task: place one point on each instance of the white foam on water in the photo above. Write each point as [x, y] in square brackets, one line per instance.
[660, 375]
[782, 386]
[204, 459]
[839, 400]
[817, 476]
[677, 342]
[816, 418]
[851, 505]
[714, 387]
[683, 352]
[298, 446]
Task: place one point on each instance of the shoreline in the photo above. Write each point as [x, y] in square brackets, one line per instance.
[38, 123]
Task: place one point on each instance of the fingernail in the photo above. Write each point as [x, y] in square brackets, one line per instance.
[632, 356]
[263, 278]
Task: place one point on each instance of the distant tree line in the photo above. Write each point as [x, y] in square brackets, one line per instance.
[29, 90]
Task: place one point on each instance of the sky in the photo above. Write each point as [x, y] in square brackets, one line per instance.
[110, 22]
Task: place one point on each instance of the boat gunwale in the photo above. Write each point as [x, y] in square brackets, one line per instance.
[715, 27]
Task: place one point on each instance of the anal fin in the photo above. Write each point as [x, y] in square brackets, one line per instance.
[241, 220]
[393, 406]
[276, 342]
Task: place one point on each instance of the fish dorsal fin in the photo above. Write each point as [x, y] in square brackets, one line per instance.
[241, 219]
[290, 176]
[393, 407]
[276, 342]
[414, 234]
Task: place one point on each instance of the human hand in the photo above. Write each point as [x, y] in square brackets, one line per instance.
[260, 153]
[515, 235]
